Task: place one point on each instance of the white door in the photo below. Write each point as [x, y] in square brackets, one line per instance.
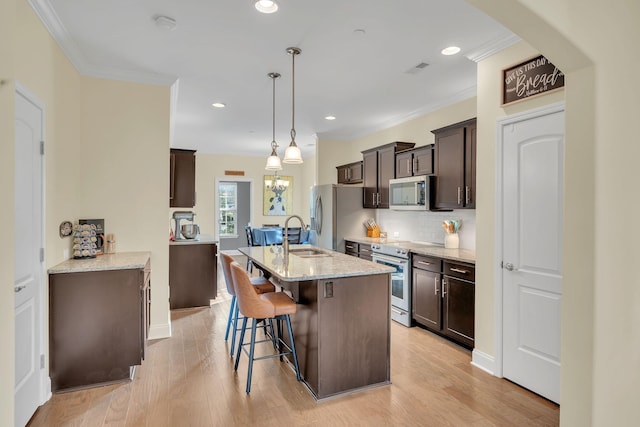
[28, 264]
[533, 163]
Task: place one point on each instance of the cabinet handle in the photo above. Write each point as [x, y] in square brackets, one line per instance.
[408, 167]
[444, 287]
[349, 247]
[377, 198]
[424, 263]
[373, 199]
[435, 286]
[415, 165]
[459, 196]
[467, 195]
[457, 270]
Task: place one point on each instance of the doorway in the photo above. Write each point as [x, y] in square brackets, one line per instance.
[234, 212]
[529, 245]
[29, 372]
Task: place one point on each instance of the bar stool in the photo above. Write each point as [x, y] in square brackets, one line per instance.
[274, 306]
[260, 284]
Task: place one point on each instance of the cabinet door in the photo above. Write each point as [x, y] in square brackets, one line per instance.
[470, 167]
[427, 302]
[182, 192]
[386, 171]
[459, 311]
[450, 168]
[192, 275]
[404, 165]
[423, 161]
[365, 251]
[343, 174]
[370, 179]
[355, 172]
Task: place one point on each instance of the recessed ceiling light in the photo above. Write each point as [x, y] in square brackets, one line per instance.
[266, 6]
[451, 50]
[359, 32]
[330, 118]
[219, 104]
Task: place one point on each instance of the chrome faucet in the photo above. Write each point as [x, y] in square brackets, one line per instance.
[285, 240]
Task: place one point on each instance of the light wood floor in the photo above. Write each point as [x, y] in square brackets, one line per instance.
[188, 380]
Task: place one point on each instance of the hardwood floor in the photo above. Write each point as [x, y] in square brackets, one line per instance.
[188, 380]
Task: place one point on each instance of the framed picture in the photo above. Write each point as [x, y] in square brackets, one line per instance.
[532, 77]
[278, 195]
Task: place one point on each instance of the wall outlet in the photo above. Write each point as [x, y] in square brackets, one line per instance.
[65, 253]
[396, 234]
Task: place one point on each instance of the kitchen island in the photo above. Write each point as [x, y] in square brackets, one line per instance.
[342, 326]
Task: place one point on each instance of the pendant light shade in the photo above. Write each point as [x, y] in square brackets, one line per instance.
[292, 154]
[273, 161]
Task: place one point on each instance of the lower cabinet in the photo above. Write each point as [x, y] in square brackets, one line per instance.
[359, 250]
[192, 274]
[98, 324]
[444, 297]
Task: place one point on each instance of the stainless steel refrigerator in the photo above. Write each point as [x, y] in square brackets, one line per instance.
[336, 213]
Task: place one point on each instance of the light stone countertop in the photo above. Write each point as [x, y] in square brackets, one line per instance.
[298, 268]
[204, 239]
[117, 261]
[464, 255]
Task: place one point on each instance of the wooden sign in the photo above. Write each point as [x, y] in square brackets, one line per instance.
[530, 78]
[234, 173]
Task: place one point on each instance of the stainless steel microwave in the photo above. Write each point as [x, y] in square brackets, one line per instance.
[414, 193]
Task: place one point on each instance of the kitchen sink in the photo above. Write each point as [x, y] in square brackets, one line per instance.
[308, 253]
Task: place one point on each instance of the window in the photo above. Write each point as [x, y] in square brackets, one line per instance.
[228, 211]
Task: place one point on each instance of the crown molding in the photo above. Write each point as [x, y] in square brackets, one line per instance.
[493, 46]
[58, 31]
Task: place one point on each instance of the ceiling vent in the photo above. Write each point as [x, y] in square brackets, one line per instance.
[165, 22]
[417, 68]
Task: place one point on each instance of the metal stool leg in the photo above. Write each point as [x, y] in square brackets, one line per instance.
[293, 347]
[279, 338]
[244, 327]
[236, 313]
[251, 349]
[230, 320]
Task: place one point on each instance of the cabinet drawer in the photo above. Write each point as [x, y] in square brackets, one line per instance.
[427, 263]
[351, 248]
[460, 270]
[365, 250]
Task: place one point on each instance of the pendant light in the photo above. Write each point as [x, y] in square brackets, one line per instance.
[273, 161]
[292, 153]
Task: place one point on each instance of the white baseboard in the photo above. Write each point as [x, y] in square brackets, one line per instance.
[483, 361]
[159, 331]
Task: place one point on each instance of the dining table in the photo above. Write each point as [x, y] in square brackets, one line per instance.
[266, 236]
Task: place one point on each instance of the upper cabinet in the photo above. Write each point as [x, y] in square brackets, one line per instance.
[417, 161]
[379, 166]
[182, 183]
[455, 166]
[350, 173]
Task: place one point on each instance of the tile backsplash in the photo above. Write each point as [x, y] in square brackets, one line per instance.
[427, 226]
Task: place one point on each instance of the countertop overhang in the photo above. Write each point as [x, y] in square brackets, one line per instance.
[203, 239]
[117, 261]
[298, 268]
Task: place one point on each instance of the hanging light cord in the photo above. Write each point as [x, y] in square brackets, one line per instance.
[293, 97]
[273, 140]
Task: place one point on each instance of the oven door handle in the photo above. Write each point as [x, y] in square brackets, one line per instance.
[389, 259]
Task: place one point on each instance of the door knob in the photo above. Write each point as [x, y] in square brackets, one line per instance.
[508, 266]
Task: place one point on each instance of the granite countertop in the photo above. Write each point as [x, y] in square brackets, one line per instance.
[117, 261]
[464, 255]
[203, 239]
[299, 268]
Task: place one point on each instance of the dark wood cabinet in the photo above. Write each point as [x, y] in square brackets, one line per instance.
[426, 299]
[458, 288]
[359, 250]
[379, 166]
[443, 297]
[182, 182]
[350, 173]
[192, 274]
[98, 326]
[455, 165]
[417, 161]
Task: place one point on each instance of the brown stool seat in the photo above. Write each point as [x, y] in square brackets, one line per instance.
[281, 303]
[262, 285]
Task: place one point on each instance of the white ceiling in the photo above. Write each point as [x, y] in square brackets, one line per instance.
[222, 50]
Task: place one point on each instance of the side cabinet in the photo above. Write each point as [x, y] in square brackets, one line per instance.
[455, 165]
[458, 288]
[98, 324]
[418, 161]
[350, 173]
[182, 178]
[192, 274]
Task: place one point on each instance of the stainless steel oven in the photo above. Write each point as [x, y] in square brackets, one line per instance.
[398, 259]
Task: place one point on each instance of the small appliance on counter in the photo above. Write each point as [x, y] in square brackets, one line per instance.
[185, 231]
